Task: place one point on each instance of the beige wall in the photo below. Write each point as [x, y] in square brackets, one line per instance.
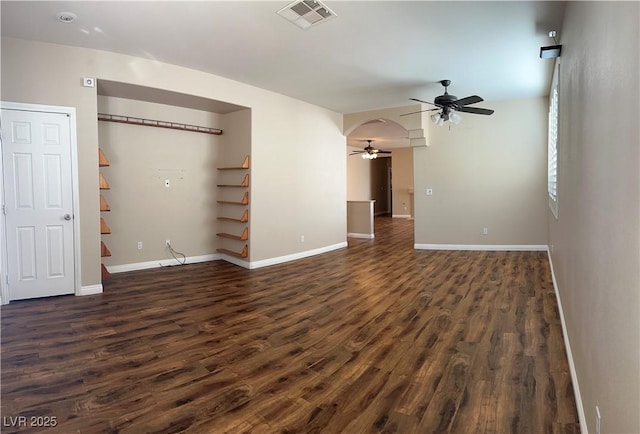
[595, 241]
[402, 180]
[291, 192]
[141, 158]
[488, 171]
[358, 176]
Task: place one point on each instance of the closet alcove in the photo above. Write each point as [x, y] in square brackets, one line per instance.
[167, 154]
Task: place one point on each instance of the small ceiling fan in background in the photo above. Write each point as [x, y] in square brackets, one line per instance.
[369, 152]
[449, 105]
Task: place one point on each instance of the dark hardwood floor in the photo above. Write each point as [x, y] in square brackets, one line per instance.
[377, 337]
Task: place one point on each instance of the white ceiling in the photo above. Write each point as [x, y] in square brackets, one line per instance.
[374, 54]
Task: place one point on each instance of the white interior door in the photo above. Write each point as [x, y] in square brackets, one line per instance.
[36, 160]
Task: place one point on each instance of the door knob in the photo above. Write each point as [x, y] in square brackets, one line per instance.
[67, 216]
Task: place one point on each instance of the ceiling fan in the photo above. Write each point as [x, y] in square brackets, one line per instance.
[369, 152]
[449, 105]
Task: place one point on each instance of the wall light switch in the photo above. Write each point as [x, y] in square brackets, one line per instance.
[429, 191]
[166, 183]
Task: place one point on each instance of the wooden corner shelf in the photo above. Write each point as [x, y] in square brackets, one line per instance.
[104, 228]
[243, 219]
[105, 273]
[104, 251]
[243, 254]
[104, 205]
[243, 201]
[102, 159]
[242, 237]
[244, 165]
[104, 185]
[245, 183]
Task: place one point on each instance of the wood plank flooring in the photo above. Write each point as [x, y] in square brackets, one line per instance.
[377, 338]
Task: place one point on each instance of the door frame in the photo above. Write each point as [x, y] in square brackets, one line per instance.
[71, 114]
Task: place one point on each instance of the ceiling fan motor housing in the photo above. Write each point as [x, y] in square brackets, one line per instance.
[445, 100]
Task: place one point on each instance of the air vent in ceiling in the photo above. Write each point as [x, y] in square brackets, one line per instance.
[306, 13]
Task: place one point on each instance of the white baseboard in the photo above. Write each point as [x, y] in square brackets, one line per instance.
[236, 261]
[572, 367]
[484, 247]
[300, 255]
[357, 235]
[401, 216]
[90, 290]
[161, 263]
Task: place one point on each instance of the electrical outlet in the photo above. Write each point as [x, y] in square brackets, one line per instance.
[429, 191]
[139, 245]
[167, 243]
[302, 238]
[485, 231]
[597, 420]
[166, 183]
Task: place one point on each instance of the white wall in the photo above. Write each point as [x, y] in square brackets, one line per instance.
[295, 189]
[596, 240]
[488, 171]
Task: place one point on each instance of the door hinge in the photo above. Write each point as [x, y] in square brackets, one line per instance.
[4, 210]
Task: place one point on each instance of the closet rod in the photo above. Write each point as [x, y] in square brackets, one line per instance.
[160, 124]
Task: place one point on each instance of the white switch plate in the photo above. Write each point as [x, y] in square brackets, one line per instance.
[429, 191]
[89, 82]
[139, 245]
[166, 183]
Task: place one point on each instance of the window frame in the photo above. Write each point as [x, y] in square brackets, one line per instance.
[552, 141]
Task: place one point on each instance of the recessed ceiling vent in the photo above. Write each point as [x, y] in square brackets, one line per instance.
[306, 13]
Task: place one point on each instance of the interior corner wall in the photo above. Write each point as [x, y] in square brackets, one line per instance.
[141, 158]
[595, 242]
[487, 172]
[295, 190]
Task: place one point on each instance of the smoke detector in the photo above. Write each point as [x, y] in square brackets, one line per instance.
[66, 17]
[306, 13]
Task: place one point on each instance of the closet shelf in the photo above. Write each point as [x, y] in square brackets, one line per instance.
[243, 201]
[104, 251]
[104, 228]
[104, 206]
[243, 219]
[244, 165]
[104, 185]
[243, 254]
[242, 237]
[245, 183]
[105, 272]
[102, 159]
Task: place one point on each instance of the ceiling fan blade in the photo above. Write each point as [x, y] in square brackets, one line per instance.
[426, 102]
[384, 152]
[421, 111]
[357, 152]
[476, 110]
[468, 100]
